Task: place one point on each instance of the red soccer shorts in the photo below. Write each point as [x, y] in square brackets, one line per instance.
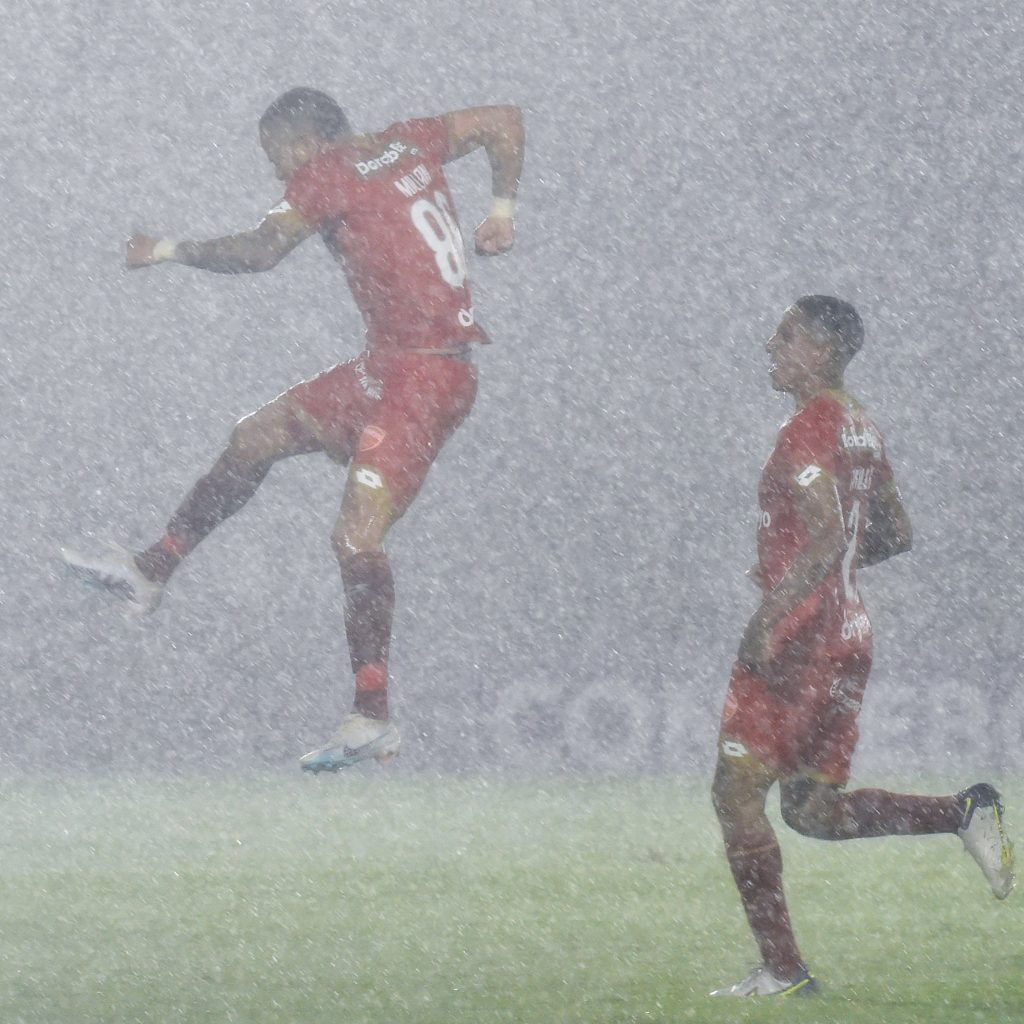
[804, 722]
[389, 412]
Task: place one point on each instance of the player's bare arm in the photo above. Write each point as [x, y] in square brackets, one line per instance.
[817, 503]
[247, 253]
[499, 130]
[887, 531]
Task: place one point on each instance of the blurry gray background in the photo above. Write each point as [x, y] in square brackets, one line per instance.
[571, 586]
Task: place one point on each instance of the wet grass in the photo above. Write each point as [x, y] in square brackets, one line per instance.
[373, 897]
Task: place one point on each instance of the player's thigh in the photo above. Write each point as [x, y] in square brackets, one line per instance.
[332, 408]
[739, 790]
[836, 685]
[403, 435]
[808, 804]
[759, 724]
[272, 432]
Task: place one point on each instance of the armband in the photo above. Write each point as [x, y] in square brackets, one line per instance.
[163, 250]
[502, 207]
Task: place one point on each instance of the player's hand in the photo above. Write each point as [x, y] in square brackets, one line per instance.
[494, 236]
[144, 251]
[139, 252]
[756, 648]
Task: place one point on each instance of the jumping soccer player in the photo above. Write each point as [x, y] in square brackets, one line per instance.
[381, 204]
[828, 505]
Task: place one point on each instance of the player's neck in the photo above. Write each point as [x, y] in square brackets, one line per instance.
[804, 395]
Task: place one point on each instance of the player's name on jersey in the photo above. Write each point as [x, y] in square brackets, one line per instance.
[415, 181]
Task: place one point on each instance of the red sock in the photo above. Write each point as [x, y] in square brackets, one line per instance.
[369, 607]
[372, 690]
[757, 870]
[875, 812]
[159, 561]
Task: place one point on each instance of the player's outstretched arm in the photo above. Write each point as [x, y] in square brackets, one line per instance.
[887, 531]
[247, 253]
[499, 130]
[817, 502]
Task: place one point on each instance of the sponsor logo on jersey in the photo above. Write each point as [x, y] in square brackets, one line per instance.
[415, 181]
[867, 438]
[856, 626]
[391, 153]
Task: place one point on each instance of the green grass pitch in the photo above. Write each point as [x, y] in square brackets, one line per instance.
[379, 896]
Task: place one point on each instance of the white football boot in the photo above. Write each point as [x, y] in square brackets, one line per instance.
[761, 982]
[983, 833]
[358, 738]
[116, 571]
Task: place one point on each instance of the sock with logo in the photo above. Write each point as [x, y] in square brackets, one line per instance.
[369, 608]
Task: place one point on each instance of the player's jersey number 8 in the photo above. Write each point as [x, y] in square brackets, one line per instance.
[434, 221]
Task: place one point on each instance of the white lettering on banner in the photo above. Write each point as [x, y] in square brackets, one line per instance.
[764, 519]
[466, 317]
[731, 748]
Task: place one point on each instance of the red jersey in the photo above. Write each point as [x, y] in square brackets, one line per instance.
[382, 205]
[834, 437]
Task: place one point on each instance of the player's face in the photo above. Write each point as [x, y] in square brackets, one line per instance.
[286, 151]
[794, 352]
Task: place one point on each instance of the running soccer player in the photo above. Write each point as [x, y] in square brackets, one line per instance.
[382, 206]
[828, 506]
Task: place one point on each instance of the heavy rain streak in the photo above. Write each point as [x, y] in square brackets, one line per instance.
[570, 581]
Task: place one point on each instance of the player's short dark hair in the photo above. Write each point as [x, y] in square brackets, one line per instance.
[838, 320]
[310, 108]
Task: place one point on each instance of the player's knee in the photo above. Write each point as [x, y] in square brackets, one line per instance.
[806, 813]
[355, 538]
[262, 436]
[249, 441]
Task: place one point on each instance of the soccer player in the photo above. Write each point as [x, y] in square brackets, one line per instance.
[382, 206]
[828, 506]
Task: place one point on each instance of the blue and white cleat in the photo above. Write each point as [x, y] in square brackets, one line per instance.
[761, 982]
[116, 571]
[983, 833]
[358, 739]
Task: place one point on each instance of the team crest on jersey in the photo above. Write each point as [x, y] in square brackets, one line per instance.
[372, 437]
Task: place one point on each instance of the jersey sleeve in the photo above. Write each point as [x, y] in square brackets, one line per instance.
[316, 191]
[808, 447]
[429, 135]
